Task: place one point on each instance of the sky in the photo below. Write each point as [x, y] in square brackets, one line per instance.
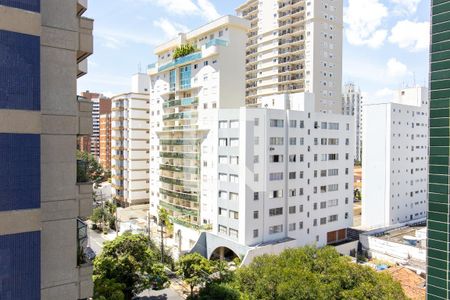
[385, 41]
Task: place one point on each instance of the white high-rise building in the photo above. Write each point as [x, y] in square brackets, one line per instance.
[130, 143]
[294, 46]
[95, 138]
[352, 106]
[395, 158]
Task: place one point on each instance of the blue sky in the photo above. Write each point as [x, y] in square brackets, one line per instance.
[385, 41]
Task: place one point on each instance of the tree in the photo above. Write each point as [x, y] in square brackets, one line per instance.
[129, 260]
[108, 289]
[218, 291]
[105, 215]
[95, 172]
[311, 273]
[184, 50]
[195, 270]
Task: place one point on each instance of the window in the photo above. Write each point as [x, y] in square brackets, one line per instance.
[333, 202]
[255, 233]
[300, 225]
[333, 156]
[302, 124]
[301, 192]
[293, 123]
[301, 208]
[234, 142]
[333, 218]
[323, 204]
[256, 177]
[293, 141]
[292, 175]
[292, 209]
[333, 187]
[234, 215]
[276, 158]
[315, 206]
[222, 229]
[292, 226]
[234, 178]
[276, 176]
[333, 126]
[223, 160]
[315, 222]
[234, 124]
[256, 159]
[333, 172]
[234, 233]
[275, 211]
[323, 125]
[234, 160]
[292, 192]
[256, 121]
[256, 140]
[234, 197]
[323, 173]
[223, 124]
[301, 141]
[256, 214]
[223, 177]
[276, 141]
[276, 194]
[346, 215]
[333, 142]
[323, 221]
[223, 195]
[222, 211]
[276, 123]
[255, 196]
[275, 229]
[292, 158]
[302, 158]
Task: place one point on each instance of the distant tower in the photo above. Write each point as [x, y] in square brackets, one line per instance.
[352, 106]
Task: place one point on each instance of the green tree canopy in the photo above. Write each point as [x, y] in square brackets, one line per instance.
[195, 270]
[184, 50]
[311, 273]
[130, 261]
[95, 171]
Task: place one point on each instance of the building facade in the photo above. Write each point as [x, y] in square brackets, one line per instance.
[280, 175]
[294, 46]
[438, 278]
[105, 140]
[395, 158]
[352, 106]
[180, 88]
[43, 48]
[130, 143]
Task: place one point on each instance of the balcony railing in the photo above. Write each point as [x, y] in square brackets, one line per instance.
[181, 61]
[179, 195]
[182, 115]
[190, 170]
[179, 155]
[182, 210]
[179, 142]
[181, 102]
[216, 42]
[180, 182]
[82, 171]
[189, 224]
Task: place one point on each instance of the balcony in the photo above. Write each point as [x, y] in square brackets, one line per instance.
[179, 209]
[216, 42]
[84, 261]
[82, 172]
[182, 115]
[190, 170]
[181, 61]
[181, 102]
[179, 155]
[190, 225]
[179, 195]
[86, 39]
[180, 182]
[179, 142]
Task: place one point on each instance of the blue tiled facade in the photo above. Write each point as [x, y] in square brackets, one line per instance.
[20, 171]
[31, 5]
[20, 266]
[19, 70]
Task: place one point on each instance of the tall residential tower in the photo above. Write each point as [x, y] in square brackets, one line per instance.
[352, 106]
[294, 46]
[43, 48]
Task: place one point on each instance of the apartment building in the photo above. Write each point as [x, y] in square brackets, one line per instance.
[352, 106]
[395, 158]
[438, 260]
[279, 176]
[43, 49]
[180, 88]
[294, 46]
[130, 138]
[105, 140]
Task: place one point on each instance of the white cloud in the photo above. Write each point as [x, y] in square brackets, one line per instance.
[384, 93]
[396, 69]
[209, 12]
[364, 19]
[203, 8]
[115, 39]
[170, 29]
[405, 6]
[411, 35]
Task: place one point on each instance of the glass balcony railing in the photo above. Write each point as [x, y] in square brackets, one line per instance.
[179, 155]
[188, 224]
[181, 61]
[82, 171]
[190, 170]
[216, 42]
[181, 115]
[188, 197]
[179, 141]
[180, 182]
[181, 128]
[182, 210]
[151, 66]
[181, 102]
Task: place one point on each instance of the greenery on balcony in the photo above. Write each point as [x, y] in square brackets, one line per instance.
[179, 209]
[179, 155]
[179, 141]
[180, 182]
[184, 50]
[179, 195]
[181, 102]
